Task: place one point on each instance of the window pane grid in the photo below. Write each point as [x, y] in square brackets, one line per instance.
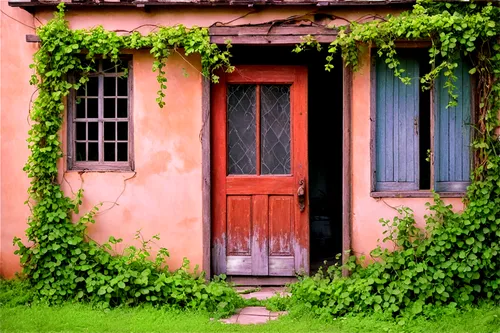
[101, 129]
[275, 129]
[258, 129]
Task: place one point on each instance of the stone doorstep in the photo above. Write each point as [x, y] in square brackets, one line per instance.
[256, 314]
[250, 319]
[255, 311]
[263, 293]
[241, 289]
[252, 315]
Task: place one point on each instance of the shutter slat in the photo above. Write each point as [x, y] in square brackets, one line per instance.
[397, 106]
[389, 126]
[452, 143]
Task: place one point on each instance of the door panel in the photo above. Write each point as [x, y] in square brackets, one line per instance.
[280, 225]
[260, 222]
[260, 243]
[239, 225]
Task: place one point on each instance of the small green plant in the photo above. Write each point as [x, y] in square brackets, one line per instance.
[279, 302]
[249, 290]
[428, 155]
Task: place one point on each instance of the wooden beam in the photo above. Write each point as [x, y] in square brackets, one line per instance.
[27, 4]
[346, 164]
[267, 40]
[206, 208]
[268, 34]
[263, 34]
[268, 29]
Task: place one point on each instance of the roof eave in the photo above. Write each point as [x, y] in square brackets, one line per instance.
[32, 4]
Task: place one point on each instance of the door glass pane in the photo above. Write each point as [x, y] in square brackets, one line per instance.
[275, 129]
[241, 137]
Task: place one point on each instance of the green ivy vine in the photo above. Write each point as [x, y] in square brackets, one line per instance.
[60, 261]
[456, 260]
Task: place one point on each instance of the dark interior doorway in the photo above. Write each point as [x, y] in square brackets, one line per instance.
[325, 142]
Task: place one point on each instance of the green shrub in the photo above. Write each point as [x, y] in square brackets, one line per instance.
[446, 267]
[92, 272]
[61, 262]
[456, 261]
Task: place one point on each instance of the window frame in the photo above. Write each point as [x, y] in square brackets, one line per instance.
[72, 164]
[420, 193]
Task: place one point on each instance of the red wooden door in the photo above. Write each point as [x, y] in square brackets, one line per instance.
[260, 221]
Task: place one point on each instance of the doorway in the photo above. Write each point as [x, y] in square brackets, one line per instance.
[324, 176]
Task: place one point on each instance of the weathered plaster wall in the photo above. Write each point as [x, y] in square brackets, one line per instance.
[15, 93]
[164, 194]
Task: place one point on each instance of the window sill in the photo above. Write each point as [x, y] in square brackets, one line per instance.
[415, 194]
[102, 168]
[87, 170]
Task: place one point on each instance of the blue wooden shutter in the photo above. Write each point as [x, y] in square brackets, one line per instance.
[397, 141]
[452, 134]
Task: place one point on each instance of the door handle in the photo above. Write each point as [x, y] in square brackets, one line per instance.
[301, 194]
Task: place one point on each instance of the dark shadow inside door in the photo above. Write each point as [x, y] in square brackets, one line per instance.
[325, 142]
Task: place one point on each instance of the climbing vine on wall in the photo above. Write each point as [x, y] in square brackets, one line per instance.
[456, 261]
[61, 262]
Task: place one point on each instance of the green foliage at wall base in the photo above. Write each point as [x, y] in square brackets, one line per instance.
[456, 260]
[61, 262]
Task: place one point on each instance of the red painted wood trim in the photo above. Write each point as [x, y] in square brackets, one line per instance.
[257, 129]
[250, 185]
[262, 74]
[219, 161]
[299, 117]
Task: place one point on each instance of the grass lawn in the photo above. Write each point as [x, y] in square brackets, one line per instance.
[82, 318]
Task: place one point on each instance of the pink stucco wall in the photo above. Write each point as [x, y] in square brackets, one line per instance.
[164, 196]
[15, 93]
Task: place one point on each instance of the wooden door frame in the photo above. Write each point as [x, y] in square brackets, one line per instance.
[205, 138]
[346, 163]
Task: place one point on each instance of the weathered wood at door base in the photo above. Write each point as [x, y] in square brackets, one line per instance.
[239, 265]
[261, 281]
[281, 265]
